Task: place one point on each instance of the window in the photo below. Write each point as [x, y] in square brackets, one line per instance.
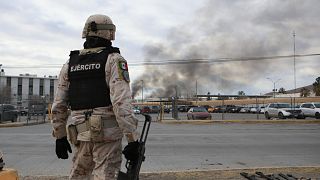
[9, 81]
[51, 89]
[31, 86]
[41, 90]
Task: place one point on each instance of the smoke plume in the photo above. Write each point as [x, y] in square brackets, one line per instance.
[227, 29]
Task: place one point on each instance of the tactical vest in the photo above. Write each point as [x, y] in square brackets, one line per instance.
[88, 88]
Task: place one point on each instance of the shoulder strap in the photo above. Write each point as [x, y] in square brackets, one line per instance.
[75, 52]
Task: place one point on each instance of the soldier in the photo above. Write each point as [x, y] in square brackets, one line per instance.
[94, 85]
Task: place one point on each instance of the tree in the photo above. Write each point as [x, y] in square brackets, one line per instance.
[304, 92]
[208, 98]
[282, 90]
[5, 94]
[316, 87]
[241, 93]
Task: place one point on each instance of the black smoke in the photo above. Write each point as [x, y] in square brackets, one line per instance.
[229, 29]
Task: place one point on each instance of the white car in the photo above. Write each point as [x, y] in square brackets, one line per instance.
[311, 109]
[281, 111]
[136, 110]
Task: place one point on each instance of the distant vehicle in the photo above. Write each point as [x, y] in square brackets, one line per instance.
[311, 109]
[154, 109]
[219, 109]
[234, 109]
[262, 109]
[230, 108]
[244, 110]
[253, 110]
[182, 108]
[136, 110]
[145, 109]
[8, 112]
[37, 109]
[22, 111]
[166, 110]
[212, 109]
[198, 113]
[282, 111]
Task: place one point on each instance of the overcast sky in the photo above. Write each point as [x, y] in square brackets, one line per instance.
[42, 32]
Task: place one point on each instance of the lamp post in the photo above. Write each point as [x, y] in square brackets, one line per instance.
[274, 86]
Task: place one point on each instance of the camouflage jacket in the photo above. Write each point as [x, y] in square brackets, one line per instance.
[120, 95]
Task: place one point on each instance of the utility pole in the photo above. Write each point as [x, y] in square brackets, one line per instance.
[294, 68]
[142, 91]
[197, 91]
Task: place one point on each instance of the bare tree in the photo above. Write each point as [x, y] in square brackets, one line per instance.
[316, 87]
[304, 92]
[5, 94]
[282, 90]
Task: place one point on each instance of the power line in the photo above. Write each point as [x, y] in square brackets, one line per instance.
[180, 61]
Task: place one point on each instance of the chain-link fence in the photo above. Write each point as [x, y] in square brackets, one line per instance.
[220, 108]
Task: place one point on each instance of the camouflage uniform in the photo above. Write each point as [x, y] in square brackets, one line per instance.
[102, 160]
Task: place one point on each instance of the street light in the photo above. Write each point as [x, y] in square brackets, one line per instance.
[274, 86]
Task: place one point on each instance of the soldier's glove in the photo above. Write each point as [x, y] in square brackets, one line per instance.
[62, 148]
[131, 151]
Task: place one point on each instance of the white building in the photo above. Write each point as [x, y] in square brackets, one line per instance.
[25, 86]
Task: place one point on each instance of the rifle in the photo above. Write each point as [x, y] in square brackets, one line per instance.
[133, 167]
[247, 176]
[268, 177]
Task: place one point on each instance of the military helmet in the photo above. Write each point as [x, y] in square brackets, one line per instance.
[99, 25]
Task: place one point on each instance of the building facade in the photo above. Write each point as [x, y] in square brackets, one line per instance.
[22, 89]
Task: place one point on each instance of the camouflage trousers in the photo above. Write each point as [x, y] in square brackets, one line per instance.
[97, 161]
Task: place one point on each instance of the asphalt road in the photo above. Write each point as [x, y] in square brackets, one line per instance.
[30, 149]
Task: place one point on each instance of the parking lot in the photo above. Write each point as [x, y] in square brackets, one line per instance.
[174, 147]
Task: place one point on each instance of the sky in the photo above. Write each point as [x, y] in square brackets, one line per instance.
[37, 36]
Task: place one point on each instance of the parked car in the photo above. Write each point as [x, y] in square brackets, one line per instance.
[145, 109]
[311, 109]
[8, 112]
[212, 109]
[154, 109]
[262, 109]
[166, 110]
[136, 110]
[244, 110]
[22, 111]
[231, 108]
[198, 113]
[253, 110]
[37, 109]
[182, 108]
[281, 111]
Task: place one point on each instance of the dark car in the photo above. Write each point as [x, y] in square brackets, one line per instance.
[198, 113]
[145, 109]
[182, 108]
[23, 111]
[8, 112]
[154, 109]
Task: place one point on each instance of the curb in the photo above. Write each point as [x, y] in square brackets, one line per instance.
[20, 124]
[219, 174]
[240, 121]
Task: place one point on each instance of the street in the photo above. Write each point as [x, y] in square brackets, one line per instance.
[173, 147]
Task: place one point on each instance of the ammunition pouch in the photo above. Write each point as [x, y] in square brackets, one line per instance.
[96, 125]
[72, 134]
[96, 128]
